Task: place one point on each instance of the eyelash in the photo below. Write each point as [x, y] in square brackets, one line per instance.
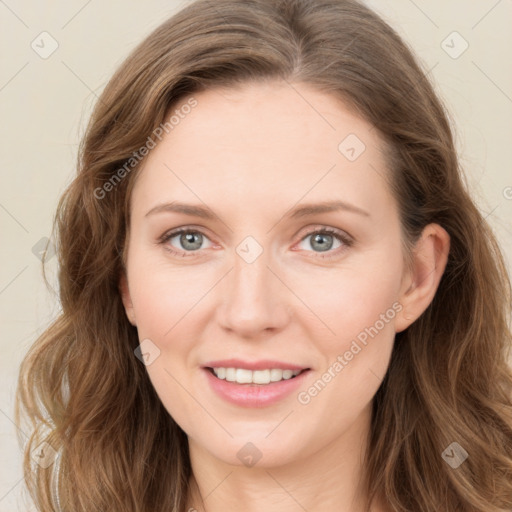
[345, 240]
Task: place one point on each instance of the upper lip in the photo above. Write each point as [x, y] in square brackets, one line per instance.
[262, 364]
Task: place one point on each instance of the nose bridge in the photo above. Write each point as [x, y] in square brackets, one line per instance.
[251, 279]
[254, 299]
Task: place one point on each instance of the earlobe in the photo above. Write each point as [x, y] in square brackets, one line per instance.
[430, 256]
[126, 298]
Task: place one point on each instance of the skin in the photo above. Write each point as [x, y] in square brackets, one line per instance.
[250, 155]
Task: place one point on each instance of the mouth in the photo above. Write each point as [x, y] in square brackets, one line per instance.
[254, 383]
[266, 385]
[249, 377]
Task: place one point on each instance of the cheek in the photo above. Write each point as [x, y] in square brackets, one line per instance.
[357, 348]
[163, 295]
[353, 328]
[346, 301]
[355, 358]
[167, 302]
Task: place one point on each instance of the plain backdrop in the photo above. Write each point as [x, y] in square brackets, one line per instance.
[45, 101]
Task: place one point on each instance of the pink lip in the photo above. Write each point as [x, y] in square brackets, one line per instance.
[254, 395]
[255, 365]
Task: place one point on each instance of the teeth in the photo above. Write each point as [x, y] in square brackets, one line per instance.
[261, 376]
[243, 376]
[276, 375]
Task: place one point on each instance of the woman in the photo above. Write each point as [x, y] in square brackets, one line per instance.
[209, 356]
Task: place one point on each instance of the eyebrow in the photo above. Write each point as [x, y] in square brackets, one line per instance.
[294, 213]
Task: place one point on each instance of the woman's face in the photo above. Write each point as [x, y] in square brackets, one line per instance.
[290, 259]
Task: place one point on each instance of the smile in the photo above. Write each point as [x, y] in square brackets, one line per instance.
[257, 387]
[244, 376]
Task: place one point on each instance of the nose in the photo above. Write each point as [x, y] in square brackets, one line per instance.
[254, 300]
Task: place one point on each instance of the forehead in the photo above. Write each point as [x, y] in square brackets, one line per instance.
[265, 141]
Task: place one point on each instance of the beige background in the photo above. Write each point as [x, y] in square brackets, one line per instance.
[44, 104]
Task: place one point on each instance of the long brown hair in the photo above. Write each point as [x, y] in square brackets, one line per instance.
[90, 398]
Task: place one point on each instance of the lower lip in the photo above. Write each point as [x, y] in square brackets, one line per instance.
[254, 395]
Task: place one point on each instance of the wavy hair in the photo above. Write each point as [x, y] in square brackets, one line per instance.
[87, 395]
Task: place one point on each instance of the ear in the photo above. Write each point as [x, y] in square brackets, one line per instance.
[127, 301]
[420, 283]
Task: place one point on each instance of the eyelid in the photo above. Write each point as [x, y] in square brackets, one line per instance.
[344, 238]
[178, 231]
[321, 228]
[188, 227]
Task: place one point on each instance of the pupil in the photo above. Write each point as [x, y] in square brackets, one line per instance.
[321, 238]
[189, 238]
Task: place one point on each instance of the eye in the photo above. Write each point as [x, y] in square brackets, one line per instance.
[186, 242]
[185, 239]
[324, 240]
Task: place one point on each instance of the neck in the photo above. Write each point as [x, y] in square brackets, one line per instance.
[328, 479]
